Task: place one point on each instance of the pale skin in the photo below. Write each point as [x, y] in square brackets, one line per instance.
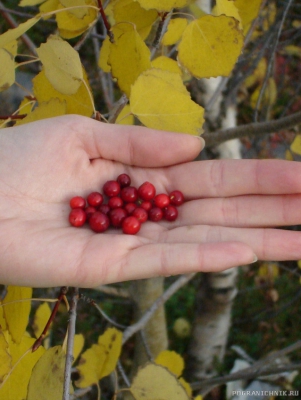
[232, 206]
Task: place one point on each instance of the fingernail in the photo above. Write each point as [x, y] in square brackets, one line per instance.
[202, 140]
[254, 259]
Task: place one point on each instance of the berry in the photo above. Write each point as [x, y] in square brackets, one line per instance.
[161, 200]
[130, 207]
[115, 202]
[77, 202]
[124, 180]
[111, 188]
[176, 198]
[147, 191]
[140, 214]
[105, 209]
[129, 194]
[77, 217]
[99, 222]
[117, 215]
[131, 225]
[95, 199]
[147, 205]
[155, 214]
[89, 211]
[170, 213]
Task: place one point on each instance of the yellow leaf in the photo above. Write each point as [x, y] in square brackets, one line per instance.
[15, 33]
[167, 64]
[269, 271]
[26, 106]
[22, 362]
[269, 96]
[227, 7]
[41, 317]
[48, 7]
[71, 26]
[79, 342]
[186, 386]
[296, 145]
[174, 31]
[3, 324]
[129, 56]
[26, 3]
[88, 366]
[5, 357]
[131, 11]
[288, 155]
[199, 397]
[156, 382]
[172, 361]
[161, 101]
[258, 74]
[125, 117]
[47, 378]
[7, 70]
[78, 103]
[293, 50]
[111, 341]
[12, 47]
[299, 264]
[78, 12]
[62, 65]
[210, 46]
[16, 314]
[50, 109]
[162, 5]
[104, 55]
[248, 11]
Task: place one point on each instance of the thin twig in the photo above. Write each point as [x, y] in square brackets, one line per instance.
[140, 324]
[252, 129]
[70, 344]
[113, 291]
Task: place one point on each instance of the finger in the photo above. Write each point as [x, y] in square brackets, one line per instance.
[219, 178]
[135, 145]
[268, 244]
[242, 211]
[165, 259]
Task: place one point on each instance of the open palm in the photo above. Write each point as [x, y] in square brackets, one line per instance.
[231, 210]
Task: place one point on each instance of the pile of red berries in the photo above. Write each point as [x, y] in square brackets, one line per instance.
[126, 207]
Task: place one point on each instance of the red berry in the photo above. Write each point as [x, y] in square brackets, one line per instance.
[105, 209]
[155, 214]
[147, 191]
[99, 222]
[130, 207]
[117, 215]
[129, 194]
[95, 199]
[176, 198]
[170, 213]
[111, 188]
[147, 205]
[77, 202]
[161, 200]
[140, 214]
[131, 225]
[124, 180]
[89, 211]
[115, 202]
[77, 217]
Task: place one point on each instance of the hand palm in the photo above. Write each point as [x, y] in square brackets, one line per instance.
[46, 163]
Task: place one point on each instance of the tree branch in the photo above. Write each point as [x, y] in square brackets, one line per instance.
[252, 129]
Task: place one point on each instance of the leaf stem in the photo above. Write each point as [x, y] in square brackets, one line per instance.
[105, 21]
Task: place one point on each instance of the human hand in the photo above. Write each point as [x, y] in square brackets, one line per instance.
[230, 210]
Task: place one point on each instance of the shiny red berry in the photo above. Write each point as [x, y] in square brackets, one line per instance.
[131, 225]
[161, 200]
[77, 202]
[111, 188]
[129, 194]
[170, 213]
[147, 205]
[95, 199]
[140, 214]
[99, 222]
[115, 202]
[176, 198]
[146, 191]
[105, 209]
[117, 215]
[130, 207]
[124, 180]
[155, 214]
[77, 217]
